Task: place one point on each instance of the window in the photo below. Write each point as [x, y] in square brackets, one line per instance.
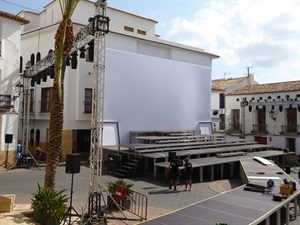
[31, 101]
[46, 99]
[130, 29]
[88, 94]
[141, 32]
[37, 137]
[32, 57]
[222, 101]
[31, 137]
[5, 102]
[38, 57]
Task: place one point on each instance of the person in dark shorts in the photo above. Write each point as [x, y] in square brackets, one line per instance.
[174, 173]
[188, 170]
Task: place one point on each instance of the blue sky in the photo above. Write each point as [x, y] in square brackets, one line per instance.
[261, 34]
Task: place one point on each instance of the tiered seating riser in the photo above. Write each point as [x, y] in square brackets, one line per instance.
[189, 147]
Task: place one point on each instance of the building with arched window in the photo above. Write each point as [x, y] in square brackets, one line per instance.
[150, 83]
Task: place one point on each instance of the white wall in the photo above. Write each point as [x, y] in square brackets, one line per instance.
[9, 76]
[215, 99]
[9, 126]
[140, 23]
[10, 55]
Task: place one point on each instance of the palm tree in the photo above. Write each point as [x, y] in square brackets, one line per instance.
[63, 46]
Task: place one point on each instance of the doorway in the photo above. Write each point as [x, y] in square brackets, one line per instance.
[83, 138]
[291, 115]
[261, 120]
[291, 144]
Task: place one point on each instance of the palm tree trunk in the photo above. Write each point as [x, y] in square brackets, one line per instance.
[63, 45]
[55, 133]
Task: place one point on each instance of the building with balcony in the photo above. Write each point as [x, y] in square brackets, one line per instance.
[267, 113]
[220, 89]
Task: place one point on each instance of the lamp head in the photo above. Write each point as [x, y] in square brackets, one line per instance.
[273, 115]
[19, 89]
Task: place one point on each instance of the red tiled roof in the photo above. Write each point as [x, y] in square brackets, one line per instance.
[226, 83]
[288, 86]
[14, 17]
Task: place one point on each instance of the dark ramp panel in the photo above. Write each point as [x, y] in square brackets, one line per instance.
[178, 219]
[258, 201]
[230, 208]
[198, 215]
[237, 207]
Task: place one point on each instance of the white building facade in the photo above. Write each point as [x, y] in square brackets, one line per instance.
[150, 84]
[221, 118]
[10, 32]
[267, 113]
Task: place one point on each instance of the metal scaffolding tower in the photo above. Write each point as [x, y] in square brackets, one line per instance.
[94, 32]
[25, 119]
[93, 212]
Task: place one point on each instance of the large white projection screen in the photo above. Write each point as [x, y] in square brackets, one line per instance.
[146, 93]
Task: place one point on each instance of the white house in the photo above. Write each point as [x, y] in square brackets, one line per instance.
[221, 114]
[267, 113]
[10, 33]
[271, 113]
[150, 84]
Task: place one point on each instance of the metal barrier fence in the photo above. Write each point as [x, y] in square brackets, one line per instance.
[139, 205]
[128, 200]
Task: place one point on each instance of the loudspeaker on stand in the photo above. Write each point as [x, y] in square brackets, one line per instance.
[8, 138]
[73, 163]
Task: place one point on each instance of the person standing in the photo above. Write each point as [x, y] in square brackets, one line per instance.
[174, 173]
[39, 152]
[188, 170]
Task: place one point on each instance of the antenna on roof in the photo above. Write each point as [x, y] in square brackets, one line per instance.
[248, 70]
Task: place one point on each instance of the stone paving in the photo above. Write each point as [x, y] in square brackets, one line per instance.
[161, 200]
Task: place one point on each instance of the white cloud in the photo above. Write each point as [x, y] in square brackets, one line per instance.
[259, 33]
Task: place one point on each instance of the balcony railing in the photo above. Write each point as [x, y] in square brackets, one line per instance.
[290, 129]
[5, 102]
[260, 128]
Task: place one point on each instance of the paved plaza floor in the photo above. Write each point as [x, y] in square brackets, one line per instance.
[161, 200]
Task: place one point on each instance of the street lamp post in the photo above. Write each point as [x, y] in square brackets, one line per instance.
[243, 104]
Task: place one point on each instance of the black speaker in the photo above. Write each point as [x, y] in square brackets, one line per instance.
[172, 155]
[73, 163]
[277, 197]
[288, 169]
[8, 138]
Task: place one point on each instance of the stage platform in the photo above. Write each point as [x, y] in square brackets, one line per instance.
[238, 206]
